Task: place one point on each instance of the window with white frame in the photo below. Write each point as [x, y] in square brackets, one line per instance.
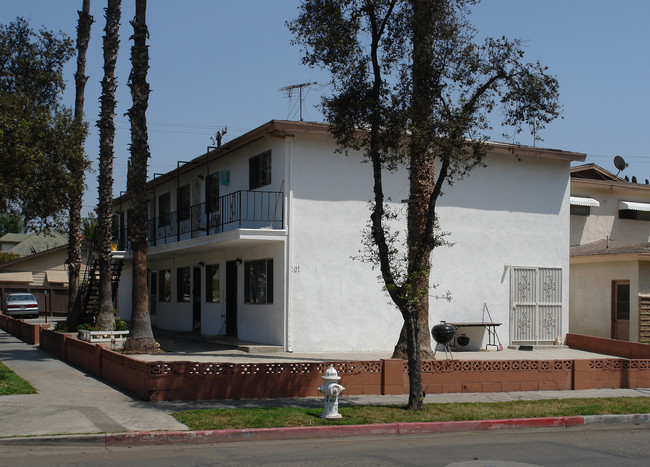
[258, 281]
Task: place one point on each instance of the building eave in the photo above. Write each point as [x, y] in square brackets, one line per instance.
[609, 184]
[288, 128]
[609, 258]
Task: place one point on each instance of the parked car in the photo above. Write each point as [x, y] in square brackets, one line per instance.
[20, 304]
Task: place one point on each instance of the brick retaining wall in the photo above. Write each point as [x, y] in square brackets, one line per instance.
[175, 380]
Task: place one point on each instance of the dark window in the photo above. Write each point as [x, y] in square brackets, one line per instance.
[580, 210]
[623, 301]
[183, 205]
[633, 214]
[164, 210]
[259, 170]
[183, 288]
[258, 281]
[212, 283]
[212, 188]
[165, 285]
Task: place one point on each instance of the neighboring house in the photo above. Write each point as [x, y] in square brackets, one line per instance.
[41, 273]
[610, 255]
[28, 244]
[256, 239]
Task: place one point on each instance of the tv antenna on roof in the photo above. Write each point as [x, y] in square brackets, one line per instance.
[620, 164]
[289, 90]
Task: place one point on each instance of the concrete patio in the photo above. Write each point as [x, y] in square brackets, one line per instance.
[196, 348]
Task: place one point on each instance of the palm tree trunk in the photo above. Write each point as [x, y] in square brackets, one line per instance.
[106, 124]
[141, 335]
[77, 171]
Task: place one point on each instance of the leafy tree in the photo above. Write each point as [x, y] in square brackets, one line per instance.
[411, 74]
[38, 137]
[5, 257]
[77, 169]
[140, 336]
[106, 126]
[11, 223]
[89, 227]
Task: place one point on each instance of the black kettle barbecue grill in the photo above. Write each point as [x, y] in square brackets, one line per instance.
[443, 334]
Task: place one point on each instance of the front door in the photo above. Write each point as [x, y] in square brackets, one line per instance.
[196, 299]
[231, 298]
[536, 301]
[621, 310]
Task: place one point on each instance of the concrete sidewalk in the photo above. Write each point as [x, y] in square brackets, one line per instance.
[70, 402]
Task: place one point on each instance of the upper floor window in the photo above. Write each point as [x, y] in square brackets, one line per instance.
[164, 209]
[212, 189]
[183, 203]
[634, 210]
[580, 210]
[259, 170]
[635, 215]
[581, 205]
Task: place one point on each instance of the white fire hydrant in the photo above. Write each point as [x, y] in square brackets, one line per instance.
[331, 389]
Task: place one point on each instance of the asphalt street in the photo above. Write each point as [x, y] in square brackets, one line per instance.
[611, 446]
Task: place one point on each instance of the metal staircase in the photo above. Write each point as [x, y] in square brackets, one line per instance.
[90, 284]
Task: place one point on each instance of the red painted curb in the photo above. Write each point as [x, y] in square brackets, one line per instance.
[215, 436]
[257, 434]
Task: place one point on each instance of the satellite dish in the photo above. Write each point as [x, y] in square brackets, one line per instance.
[620, 164]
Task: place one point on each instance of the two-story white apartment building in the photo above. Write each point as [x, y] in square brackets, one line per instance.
[610, 255]
[256, 239]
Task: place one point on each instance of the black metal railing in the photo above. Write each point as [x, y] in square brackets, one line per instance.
[241, 209]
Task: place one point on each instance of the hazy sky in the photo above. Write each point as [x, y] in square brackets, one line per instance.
[217, 63]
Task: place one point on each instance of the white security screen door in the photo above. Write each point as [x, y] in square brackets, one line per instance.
[536, 305]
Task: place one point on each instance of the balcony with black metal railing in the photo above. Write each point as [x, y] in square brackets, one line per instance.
[239, 210]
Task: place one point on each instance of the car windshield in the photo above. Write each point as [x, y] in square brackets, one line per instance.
[20, 298]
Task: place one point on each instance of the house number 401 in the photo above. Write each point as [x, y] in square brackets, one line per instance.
[295, 269]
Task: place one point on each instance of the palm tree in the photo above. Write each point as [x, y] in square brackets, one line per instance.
[106, 126]
[141, 336]
[77, 167]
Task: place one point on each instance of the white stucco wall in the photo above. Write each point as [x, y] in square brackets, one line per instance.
[335, 302]
[603, 220]
[510, 213]
[591, 296]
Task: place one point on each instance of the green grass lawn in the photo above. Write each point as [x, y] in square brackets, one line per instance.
[11, 383]
[360, 415]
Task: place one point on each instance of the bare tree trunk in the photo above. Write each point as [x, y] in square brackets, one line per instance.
[416, 392]
[106, 124]
[77, 172]
[141, 336]
[421, 174]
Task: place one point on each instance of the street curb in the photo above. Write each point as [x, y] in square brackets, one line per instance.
[270, 434]
[635, 419]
